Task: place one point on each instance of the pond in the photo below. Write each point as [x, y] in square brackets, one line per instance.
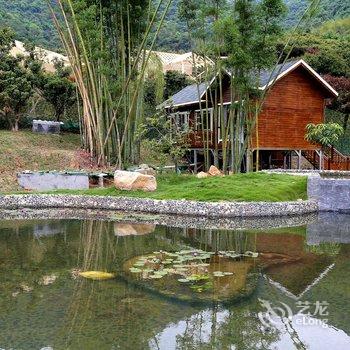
[183, 287]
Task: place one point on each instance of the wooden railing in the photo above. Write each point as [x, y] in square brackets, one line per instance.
[313, 157]
[335, 160]
[332, 159]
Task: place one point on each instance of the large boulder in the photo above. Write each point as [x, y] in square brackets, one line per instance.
[202, 175]
[214, 171]
[131, 181]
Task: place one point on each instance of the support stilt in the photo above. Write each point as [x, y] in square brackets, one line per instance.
[195, 161]
[248, 161]
[298, 152]
[216, 159]
[321, 160]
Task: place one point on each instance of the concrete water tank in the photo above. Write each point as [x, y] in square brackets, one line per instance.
[46, 181]
[46, 127]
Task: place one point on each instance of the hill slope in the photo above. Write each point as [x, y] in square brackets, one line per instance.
[329, 9]
[32, 22]
[27, 151]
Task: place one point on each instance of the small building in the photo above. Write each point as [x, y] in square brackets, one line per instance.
[296, 96]
[47, 57]
[187, 63]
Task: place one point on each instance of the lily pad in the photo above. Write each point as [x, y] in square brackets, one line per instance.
[234, 256]
[156, 277]
[218, 274]
[181, 269]
[202, 265]
[183, 280]
[173, 255]
[179, 266]
[135, 270]
[139, 264]
[161, 273]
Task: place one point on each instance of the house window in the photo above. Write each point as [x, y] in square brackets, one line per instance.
[204, 120]
[181, 119]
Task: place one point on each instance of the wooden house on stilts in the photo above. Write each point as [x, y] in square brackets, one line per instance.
[296, 95]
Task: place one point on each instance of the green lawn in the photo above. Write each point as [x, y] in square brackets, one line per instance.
[241, 187]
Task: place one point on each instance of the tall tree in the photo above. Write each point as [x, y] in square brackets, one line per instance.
[58, 90]
[16, 87]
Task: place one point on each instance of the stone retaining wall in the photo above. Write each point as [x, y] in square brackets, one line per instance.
[175, 207]
[330, 194]
[236, 223]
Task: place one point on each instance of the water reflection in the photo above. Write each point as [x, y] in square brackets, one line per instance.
[304, 263]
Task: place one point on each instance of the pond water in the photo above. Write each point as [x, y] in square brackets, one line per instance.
[282, 288]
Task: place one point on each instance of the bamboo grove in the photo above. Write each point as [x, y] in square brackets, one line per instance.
[109, 44]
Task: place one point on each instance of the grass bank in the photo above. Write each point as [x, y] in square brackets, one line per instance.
[25, 150]
[241, 187]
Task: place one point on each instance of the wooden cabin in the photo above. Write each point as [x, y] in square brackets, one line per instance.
[296, 96]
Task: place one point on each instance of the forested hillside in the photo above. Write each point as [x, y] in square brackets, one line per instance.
[174, 34]
[31, 21]
[329, 9]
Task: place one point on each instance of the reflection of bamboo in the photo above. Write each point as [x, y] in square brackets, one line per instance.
[96, 249]
[216, 240]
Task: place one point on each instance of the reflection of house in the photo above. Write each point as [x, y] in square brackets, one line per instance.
[296, 96]
[48, 57]
[183, 63]
[48, 228]
[289, 266]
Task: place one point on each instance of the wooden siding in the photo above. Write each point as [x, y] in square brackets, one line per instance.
[293, 102]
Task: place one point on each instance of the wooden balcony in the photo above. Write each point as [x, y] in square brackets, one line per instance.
[197, 139]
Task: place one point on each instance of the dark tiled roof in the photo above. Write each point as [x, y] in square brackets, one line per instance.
[268, 75]
[190, 93]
